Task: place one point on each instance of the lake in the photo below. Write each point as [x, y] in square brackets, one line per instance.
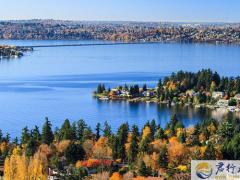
[58, 82]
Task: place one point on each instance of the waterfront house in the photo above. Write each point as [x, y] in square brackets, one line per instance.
[217, 95]
[237, 97]
[191, 93]
[114, 92]
[124, 93]
[222, 103]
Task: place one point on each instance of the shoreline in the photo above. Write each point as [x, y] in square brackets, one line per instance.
[169, 104]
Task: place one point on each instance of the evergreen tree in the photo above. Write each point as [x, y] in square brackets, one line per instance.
[142, 169]
[145, 145]
[7, 138]
[238, 84]
[153, 128]
[81, 125]
[1, 135]
[35, 134]
[31, 147]
[160, 133]
[74, 152]
[173, 123]
[210, 152]
[25, 135]
[114, 146]
[87, 134]
[100, 88]
[231, 149]
[74, 131]
[47, 134]
[122, 136]
[133, 149]
[66, 130]
[107, 130]
[160, 90]
[163, 157]
[15, 141]
[144, 87]
[98, 127]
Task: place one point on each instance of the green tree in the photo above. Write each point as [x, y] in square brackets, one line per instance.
[98, 128]
[133, 149]
[232, 102]
[210, 152]
[142, 171]
[160, 133]
[231, 149]
[122, 136]
[47, 134]
[1, 135]
[162, 160]
[107, 130]
[74, 131]
[66, 130]
[35, 134]
[31, 147]
[144, 87]
[25, 135]
[87, 134]
[81, 126]
[74, 152]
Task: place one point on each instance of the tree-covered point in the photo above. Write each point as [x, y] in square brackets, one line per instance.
[202, 87]
[12, 51]
[75, 150]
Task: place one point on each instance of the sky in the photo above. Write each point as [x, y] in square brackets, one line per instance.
[123, 10]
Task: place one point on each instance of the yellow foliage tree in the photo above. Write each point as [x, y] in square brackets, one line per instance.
[20, 167]
[62, 146]
[37, 167]
[146, 132]
[177, 152]
[101, 150]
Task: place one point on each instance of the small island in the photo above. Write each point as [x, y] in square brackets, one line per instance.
[12, 51]
[202, 89]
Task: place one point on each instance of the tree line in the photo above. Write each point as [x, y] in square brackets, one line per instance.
[77, 148]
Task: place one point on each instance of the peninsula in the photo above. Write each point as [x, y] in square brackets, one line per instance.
[12, 51]
[202, 89]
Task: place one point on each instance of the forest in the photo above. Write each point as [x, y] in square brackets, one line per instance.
[76, 151]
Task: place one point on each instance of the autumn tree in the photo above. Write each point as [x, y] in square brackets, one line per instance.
[101, 149]
[146, 139]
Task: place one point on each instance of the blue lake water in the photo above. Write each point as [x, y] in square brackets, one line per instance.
[58, 82]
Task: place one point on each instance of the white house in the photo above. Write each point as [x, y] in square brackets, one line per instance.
[217, 95]
[222, 103]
